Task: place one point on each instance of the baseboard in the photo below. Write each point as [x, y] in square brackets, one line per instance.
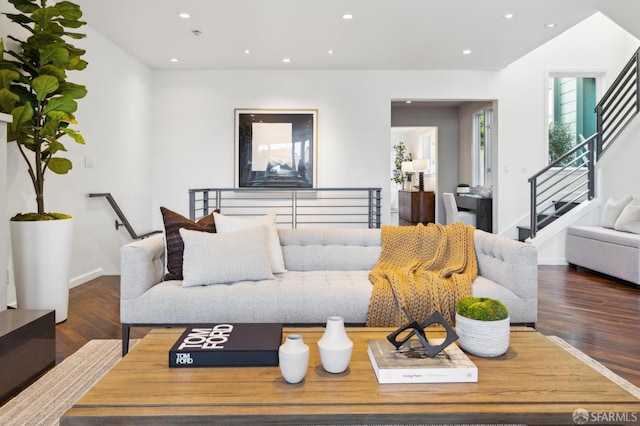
[552, 261]
[81, 279]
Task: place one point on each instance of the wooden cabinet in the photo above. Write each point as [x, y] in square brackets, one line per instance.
[416, 207]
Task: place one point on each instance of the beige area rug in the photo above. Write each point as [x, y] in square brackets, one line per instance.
[45, 401]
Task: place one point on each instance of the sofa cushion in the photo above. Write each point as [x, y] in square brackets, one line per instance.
[225, 257]
[629, 219]
[330, 249]
[605, 235]
[173, 222]
[291, 298]
[611, 211]
[229, 223]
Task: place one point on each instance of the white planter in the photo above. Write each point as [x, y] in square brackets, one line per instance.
[335, 347]
[293, 357]
[463, 189]
[41, 253]
[483, 338]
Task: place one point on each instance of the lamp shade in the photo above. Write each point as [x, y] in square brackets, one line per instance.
[407, 167]
[421, 165]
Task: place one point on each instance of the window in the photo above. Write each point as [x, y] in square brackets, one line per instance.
[572, 119]
[482, 141]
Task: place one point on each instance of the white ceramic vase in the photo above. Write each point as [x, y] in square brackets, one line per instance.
[41, 254]
[483, 338]
[293, 358]
[335, 347]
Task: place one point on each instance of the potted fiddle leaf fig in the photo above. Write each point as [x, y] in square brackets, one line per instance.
[34, 89]
[483, 326]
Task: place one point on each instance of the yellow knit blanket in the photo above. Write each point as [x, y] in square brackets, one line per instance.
[422, 269]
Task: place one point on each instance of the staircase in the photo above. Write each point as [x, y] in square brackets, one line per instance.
[570, 180]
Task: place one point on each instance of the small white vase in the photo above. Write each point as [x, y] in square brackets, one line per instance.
[335, 347]
[293, 358]
[483, 338]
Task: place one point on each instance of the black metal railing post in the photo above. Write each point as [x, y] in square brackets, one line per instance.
[123, 219]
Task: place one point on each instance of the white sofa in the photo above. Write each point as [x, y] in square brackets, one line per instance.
[605, 250]
[327, 274]
[613, 246]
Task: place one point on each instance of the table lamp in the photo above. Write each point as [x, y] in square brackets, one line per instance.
[421, 166]
[407, 169]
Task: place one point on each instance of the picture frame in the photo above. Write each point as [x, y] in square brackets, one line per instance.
[276, 148]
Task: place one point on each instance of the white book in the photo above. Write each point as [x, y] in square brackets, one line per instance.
[411, 364]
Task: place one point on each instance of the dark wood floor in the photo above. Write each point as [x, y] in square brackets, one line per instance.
[597, 315]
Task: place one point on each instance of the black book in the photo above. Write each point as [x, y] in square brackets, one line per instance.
[227, 345]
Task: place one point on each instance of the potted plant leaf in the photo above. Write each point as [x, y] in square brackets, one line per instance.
[34, 89]
[483, 326]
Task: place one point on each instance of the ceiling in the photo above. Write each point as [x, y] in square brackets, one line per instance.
[383, 34]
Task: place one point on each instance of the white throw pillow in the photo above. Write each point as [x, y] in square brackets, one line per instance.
[231, 223]
[629, 219]
[611, 211]
[211, 258]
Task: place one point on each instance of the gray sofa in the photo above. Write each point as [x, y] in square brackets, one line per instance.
[327, 274]
[609, 251]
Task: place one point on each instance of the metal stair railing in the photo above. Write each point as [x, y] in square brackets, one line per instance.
[619, 105]
[563, 185]
[123, 219]
[298, 207]
[571, 178]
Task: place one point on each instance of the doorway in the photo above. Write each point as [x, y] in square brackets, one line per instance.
[421, 143]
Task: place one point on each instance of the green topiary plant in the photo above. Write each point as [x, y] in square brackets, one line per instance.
[482, 309]
[35, 91]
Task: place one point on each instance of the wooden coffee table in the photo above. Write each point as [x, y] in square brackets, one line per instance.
[535, 382]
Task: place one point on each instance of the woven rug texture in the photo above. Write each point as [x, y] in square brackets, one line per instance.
[46, 400]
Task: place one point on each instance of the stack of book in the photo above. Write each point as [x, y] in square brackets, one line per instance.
[411, 364]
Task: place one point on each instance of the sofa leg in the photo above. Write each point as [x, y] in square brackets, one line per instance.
[126, 329]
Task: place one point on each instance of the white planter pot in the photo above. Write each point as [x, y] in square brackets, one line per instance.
[335, 347]
[483, 338]
[293, 357]
[41, 253]
[463, 189]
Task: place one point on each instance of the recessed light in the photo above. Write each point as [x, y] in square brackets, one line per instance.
[184, 15]
[286, 60]
[508, 16]
[174, 59]
[347, 16]
[466, 52]
[330, 51]
[407, 102]
[246, 51]
[550, 25]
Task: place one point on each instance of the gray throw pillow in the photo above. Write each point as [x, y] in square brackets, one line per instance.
[215, 258]
[629, 219]
[611, 211]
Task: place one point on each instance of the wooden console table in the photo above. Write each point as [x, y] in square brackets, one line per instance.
[482, 207]
[535, 382]
[416, 207]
